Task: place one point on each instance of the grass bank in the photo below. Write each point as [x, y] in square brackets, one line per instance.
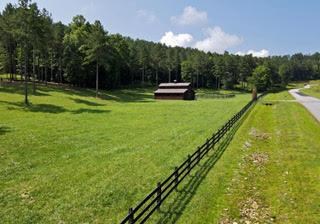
[270, 173]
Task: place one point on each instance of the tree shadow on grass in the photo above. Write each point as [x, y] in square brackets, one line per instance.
[278, 89]
[48, 108]
[42, 108]
[93, 111]
[241, 90]
[86, 102]
[4, 130]
[18, 88]
[38, 93]
[143, 95]
[172, 212]
[118, 95]
[129, 96]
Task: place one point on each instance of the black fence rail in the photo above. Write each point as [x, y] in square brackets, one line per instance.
[153, 200]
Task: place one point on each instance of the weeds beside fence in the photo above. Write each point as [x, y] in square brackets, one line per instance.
[153, 200]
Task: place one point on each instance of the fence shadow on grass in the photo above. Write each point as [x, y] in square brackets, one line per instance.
[4, 130]
[172, 212]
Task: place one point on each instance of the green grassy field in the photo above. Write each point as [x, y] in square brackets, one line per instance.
[270, 172]
[314, 90]
[71, 158]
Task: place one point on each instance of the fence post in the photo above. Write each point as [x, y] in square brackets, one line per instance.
[176, 174]
[131, 217]
[158, 195]
[199, 152]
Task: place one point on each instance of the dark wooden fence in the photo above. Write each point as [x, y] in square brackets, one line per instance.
[153, 200]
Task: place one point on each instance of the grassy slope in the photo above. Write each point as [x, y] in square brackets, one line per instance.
[72, 158]
[314, 90]
[269, 173]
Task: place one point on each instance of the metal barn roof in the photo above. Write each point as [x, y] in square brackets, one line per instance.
[170, 90]
[179, 84]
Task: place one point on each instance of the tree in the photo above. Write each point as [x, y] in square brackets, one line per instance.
[95, 49]
[285, 74]
[143, 58]
[133, 60]
[24, 35]
[187, 70]
[169, 62]
[40, 30]
[157, 56]
[8, 39]
[82, 54]
[75, 37]
[246, 67]
[218, 70]
[58, 35]
[118, 57]
[260, 78]
[231, 73]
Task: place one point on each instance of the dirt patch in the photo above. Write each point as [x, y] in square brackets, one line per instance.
[227, 220]
[253, 211]
[259, 134]
[258, 158]
[247, 145]
[26, 197]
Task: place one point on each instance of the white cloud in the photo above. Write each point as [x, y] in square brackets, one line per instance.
[147, 16]
[218, 41]
[260, 54]
[181, 40]
[190, 16]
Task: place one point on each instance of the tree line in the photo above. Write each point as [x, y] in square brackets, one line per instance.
[84, 54]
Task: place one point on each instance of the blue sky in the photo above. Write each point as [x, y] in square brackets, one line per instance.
[261, 27]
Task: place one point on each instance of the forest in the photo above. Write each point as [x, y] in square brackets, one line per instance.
[84, 54]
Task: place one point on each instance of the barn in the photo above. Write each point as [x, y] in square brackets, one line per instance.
[174, 91]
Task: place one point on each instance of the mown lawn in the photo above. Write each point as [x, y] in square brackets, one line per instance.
[71, 158]
[314, 89]
[270, 172]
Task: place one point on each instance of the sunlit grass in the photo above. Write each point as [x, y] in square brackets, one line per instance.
[69, 157]
[314, 89]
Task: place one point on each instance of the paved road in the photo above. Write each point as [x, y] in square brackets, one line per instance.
[311, 103]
